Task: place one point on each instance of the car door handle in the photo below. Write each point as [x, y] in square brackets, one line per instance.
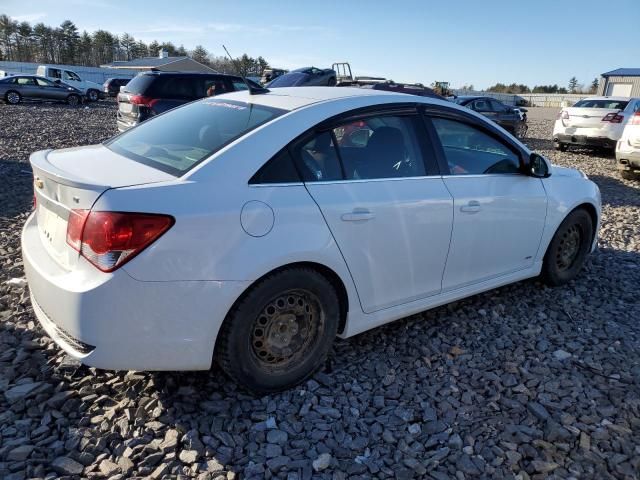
[357, 215]
[472, 207]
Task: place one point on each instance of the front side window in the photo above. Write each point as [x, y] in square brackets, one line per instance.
[54, 73]
[212, 87]
[498, 107]
[471, 151]
[178, 140]
[44, 83]
[71, 76]
[383, 146]
[481, 105]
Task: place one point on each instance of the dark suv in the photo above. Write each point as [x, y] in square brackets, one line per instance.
[112, 86]
[152, 93]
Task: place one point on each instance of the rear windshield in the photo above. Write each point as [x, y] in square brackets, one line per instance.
[612, 104]
[183, 137]
[139, 84]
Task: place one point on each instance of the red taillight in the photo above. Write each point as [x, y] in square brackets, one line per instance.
[635, 120]
[613, 118]
[110, 239]
[563, 115]
[142, 100]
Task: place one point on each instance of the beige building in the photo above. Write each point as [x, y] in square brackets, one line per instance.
[163, 63]
[623, 82]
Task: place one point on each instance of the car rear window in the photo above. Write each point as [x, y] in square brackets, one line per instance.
[612, 104]
[139, 84]
[178, 140]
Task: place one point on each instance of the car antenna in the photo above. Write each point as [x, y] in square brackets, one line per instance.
[252, 90]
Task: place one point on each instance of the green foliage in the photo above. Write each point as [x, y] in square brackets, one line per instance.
[513, 88]
[573, 84]
[41, 43]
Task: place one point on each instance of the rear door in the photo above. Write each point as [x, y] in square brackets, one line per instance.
[499, 213]
[387, 208]
[27, 87]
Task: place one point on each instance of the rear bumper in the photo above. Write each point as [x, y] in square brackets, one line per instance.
[112, 321]
[628, 160]
[584, 140]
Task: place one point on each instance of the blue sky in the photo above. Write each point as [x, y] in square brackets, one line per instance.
[463, 42]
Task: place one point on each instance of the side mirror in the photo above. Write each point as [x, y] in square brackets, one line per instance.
[538, 166]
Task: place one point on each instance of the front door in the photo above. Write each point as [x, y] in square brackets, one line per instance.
[499, 213]
[388, 210]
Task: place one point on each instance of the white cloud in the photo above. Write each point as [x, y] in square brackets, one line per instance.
[29, 17]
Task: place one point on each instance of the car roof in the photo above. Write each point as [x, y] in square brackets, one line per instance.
[187, 74]
[292, 98]
[617, 99]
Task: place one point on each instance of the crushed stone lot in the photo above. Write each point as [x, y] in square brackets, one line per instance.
[520, 382]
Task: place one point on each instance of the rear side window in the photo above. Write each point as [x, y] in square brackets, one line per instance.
[612, 104]
[317, 158]
[280, 169]
[178, 140]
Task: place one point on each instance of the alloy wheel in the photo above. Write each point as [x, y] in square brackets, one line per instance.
[13, 98]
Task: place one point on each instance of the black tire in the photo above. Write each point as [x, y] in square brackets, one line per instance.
[627, 175]
[93, 95]
[73, 100]
[568, 249]
[12, 97]
[563, 147]
[259, 328]
[332, 82]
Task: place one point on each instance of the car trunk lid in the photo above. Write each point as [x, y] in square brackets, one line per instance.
[587, 117]
[74, 178]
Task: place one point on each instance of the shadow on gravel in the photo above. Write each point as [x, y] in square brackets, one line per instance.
[16, 190]
[617, 192]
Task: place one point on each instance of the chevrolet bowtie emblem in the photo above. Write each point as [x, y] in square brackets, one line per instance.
[39, 183]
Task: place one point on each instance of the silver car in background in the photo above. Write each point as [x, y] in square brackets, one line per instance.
[15, 89]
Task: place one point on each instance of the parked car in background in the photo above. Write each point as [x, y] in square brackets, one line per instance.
[111, 86]
[271, 74]
[243, 228]
[593, 122]
[151, 93]
[504, 115]
[305, 77]
[21, 87]
[628, 147]
[92, 90]
[409, 88]
[522, 112]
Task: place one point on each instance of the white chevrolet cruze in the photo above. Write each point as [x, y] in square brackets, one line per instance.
[253, 229]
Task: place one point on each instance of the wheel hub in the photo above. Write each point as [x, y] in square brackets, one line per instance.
[569, 247]
[285, 329]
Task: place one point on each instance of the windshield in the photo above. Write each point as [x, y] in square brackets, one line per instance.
[605, 103]
[288, 80]
[461, 100]
[180, 139]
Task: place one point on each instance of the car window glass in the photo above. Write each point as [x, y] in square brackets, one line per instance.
[481, 106]
[280, 169]
[71, 76]
[11, 80]
[44, 83]
[213, 87]
[498, 107]
[239, 85]
[471, 151]
[25, 81]
[380, 147]
[604, 103]
[182, 88]
[54, 73]
[317, 158]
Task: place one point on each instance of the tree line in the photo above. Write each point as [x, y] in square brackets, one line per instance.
[573, 87]
[40, 43]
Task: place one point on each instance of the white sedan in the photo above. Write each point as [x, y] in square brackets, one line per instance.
[254, 228]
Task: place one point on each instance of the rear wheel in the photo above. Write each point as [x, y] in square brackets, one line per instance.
[563, 147]
[280, 332]
[13, 98]
[73, 100]
[568, 249]
[332, 82]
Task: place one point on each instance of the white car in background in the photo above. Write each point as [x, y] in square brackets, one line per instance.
[254, 228]
[628, 148]
[593, 122]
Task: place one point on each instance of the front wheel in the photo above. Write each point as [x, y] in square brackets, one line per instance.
[280, 333]
[568, 249]
[73, 100]
[93, 95]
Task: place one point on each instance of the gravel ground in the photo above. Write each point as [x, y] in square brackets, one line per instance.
[521, 382]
